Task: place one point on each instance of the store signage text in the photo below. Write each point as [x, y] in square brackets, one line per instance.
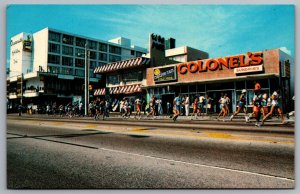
[248, 69]
[231, 62]
[16, 41]
[165, 74]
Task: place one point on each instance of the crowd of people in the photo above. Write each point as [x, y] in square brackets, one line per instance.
[263, 107]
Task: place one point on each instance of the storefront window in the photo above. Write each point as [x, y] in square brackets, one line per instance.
[133, 76]
[113, 79]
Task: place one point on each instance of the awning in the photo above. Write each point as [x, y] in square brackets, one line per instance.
[126, 64]
[120, 90]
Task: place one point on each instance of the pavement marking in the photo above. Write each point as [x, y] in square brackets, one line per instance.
[201, 165]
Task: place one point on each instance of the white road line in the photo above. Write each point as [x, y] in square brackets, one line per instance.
[201, 165]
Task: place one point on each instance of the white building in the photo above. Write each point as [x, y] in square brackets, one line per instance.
[50, 64]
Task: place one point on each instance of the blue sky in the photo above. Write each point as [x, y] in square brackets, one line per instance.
[220, 30]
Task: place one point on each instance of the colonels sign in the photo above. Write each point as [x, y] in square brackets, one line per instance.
[238, 63]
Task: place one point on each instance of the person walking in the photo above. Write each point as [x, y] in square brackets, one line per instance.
[223, 106]
[138, 104]
[152, 106]
[201, 105]
[176, 107]
[195, 108]
[241, 105]
[187, 105]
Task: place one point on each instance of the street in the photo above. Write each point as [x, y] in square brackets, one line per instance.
[54, 153]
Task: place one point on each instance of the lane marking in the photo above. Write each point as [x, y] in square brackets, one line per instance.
[201, 165]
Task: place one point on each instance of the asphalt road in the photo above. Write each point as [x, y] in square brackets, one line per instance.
[53, 154]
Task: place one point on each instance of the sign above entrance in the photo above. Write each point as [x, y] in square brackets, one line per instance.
[165, 74]
[231, 62]
[248, 69]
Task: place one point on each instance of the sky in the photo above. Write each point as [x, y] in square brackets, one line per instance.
[220, 30]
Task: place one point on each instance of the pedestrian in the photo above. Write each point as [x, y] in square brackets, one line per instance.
[208, 103]
[227, 103]
[122, 106]
[201, 105]
[176, 107]
[151, 106]
[20, 109]
[257, 107]
[264, 104]
[275, 105]
[223, 106]
[61, 110]
[138, 108]
[241, 105]
[195, 108]
[187, 105]
[168, 108]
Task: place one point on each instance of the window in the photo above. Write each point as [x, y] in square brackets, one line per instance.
[79, 72]
[66, 50]
[114, 58]
[53, 36]
[102, 56]
[53, 69]
[54, 48]
[68, 39]
[133, 76]
[102, 47]
[79, 62]
[80, 52]
[80, 42]
[132, 52]
[92, 45]
[114, 50]
[93, 64]
[113, 79]
[92, 55]
[67, 61]
[66, 71]
[138, 54]
[101, 64]
[55, 59]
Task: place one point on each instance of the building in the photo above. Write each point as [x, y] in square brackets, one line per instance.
[127, 78]
[273, 69]
[190, 72]
[49, 65]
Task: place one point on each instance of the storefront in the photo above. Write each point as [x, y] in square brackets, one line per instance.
[230, 75]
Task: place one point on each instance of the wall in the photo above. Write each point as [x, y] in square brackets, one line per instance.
[40, 40]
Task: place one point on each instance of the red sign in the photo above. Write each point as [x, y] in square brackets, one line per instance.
[231, 62]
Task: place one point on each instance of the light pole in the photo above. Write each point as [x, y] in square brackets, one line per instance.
[86, 79]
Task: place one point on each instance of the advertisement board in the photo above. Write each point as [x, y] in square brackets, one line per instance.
[165, 74]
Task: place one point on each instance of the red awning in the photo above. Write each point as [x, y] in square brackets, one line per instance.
[120, 90]
[127, 64]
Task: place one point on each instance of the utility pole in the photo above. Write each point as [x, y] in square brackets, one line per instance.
[86, 80]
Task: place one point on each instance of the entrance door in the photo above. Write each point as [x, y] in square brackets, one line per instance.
[165, 98]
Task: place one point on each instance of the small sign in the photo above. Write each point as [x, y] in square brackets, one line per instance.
[165, 74]
[248, 69]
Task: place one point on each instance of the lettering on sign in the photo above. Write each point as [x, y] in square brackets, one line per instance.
[231, 62]
[165, 74]
[248, 69]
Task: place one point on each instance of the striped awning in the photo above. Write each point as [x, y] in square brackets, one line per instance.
[126, 64]
[119, 90]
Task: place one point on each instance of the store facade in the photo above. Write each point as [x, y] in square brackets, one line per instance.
[273, 69]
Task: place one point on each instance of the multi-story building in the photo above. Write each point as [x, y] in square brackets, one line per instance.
[49, 65]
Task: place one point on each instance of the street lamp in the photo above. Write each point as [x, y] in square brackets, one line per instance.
[86, 78]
